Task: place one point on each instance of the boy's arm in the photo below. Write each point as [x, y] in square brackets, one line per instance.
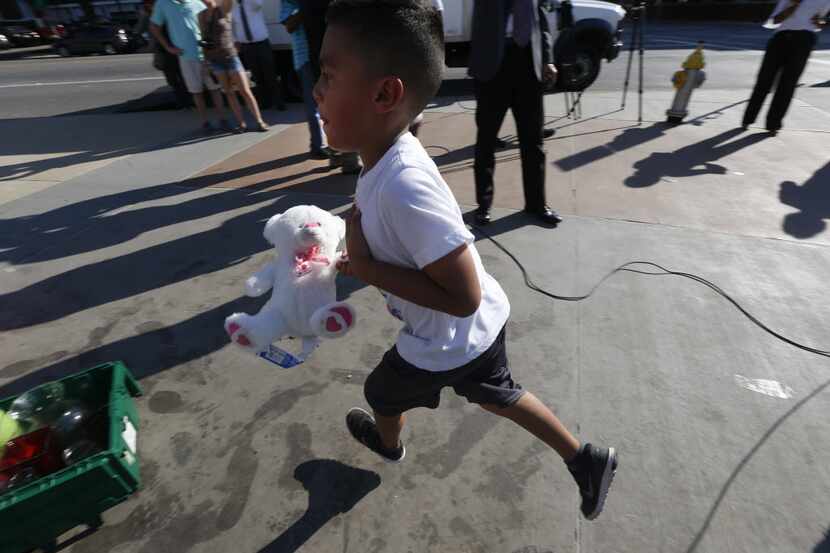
[449, 285]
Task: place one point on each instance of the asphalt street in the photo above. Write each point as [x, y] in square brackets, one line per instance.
[48, 86]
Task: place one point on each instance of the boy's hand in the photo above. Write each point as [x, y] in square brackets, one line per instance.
[359, 257]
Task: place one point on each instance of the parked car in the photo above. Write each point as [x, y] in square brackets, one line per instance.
[19, 35]
[5, 43]
[99, 36]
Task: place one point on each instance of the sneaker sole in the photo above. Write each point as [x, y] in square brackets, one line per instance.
[607, 477]
[388, 460]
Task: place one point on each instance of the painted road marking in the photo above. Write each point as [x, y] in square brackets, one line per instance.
[64, 83]
[771, 388]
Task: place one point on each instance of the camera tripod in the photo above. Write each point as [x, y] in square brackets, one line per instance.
[637, 14]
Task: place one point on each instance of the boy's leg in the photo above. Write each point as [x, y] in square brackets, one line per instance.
[535, 417]
[389, 429]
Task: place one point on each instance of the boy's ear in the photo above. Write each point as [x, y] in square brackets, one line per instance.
[390, 93]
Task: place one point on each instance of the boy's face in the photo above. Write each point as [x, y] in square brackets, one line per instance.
[344, 93]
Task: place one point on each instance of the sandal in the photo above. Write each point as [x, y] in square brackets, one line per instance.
[262, 126]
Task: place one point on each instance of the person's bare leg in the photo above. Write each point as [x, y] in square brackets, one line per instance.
[241, 81]
[201, 108]
[389, 429]
[227, 86]
[218, 103]
[534, 416]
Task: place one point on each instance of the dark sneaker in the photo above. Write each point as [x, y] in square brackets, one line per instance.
[593, 469]
[362, 426]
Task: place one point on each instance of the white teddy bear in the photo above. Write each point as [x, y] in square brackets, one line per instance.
[302, 274]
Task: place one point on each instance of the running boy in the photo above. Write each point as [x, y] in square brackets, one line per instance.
[381, 62]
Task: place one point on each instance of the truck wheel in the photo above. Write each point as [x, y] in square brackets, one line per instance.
[581, 71]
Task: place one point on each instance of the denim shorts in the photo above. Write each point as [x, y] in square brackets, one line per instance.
[229, 65]
[396, 386]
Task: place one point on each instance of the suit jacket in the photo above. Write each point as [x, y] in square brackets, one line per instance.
[488, 38]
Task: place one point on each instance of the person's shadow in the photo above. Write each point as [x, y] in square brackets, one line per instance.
[333, 489]
[824, 545]
[691, 160]
[629, 138]
[812, 199]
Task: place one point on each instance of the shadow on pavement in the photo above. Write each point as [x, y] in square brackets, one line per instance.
[824, 545]
[39, 137]
[333, 489]
[54, 234]
[688, 161]
[156, 349]
[629, 138]
[812, 199]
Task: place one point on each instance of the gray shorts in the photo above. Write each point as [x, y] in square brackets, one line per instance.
[396, 386]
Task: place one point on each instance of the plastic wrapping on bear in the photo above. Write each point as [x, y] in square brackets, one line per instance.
[301, 275]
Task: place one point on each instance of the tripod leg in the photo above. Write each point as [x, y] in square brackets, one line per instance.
[634, 25]
[642, 47]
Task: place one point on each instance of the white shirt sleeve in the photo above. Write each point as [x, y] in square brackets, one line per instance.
[424, 216]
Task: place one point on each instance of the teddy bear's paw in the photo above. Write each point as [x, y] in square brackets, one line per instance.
[255, 287]
[334, 320]
[238, 333]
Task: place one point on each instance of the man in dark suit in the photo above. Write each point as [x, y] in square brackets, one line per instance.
[511, 60]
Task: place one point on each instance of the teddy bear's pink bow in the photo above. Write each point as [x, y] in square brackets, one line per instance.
[303, 260]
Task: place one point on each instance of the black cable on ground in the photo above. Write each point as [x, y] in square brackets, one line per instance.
[627, 267]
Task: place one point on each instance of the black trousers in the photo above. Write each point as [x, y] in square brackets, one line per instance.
[515, 86]
[785, 58]
[258, 58]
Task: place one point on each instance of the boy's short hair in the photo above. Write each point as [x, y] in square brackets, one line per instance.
[404, 38]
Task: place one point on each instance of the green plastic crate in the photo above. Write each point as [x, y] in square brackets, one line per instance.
[35, 515]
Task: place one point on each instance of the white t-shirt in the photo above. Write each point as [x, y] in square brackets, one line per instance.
[801, 19]
[411, 219]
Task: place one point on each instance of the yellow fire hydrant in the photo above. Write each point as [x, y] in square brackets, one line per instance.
[686, 80]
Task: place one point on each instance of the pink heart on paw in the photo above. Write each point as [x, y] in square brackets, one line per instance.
[332, 325]
[345, 313]
[232, 328]
[242, 340]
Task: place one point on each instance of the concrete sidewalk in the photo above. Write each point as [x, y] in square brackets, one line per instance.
[142, 258]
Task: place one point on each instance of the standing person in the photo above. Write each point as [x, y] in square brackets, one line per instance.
[415, 127]
[313, 17]
[510, 60]
[251, 36]
[219, 50]
[796, 23]
[382, 62]
[181, 17]
[291, 18]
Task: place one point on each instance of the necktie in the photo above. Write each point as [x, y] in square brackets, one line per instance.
[245, 21]
[522, 21]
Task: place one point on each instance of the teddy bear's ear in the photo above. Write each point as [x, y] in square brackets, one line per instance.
[270, 232]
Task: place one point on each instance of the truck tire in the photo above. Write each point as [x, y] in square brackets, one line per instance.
[581, 69]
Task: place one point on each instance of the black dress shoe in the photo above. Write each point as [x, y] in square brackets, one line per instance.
[482, 217]
[546, 215]
[547, 133]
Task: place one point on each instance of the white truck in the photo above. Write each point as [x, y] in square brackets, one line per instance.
[595, 34]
